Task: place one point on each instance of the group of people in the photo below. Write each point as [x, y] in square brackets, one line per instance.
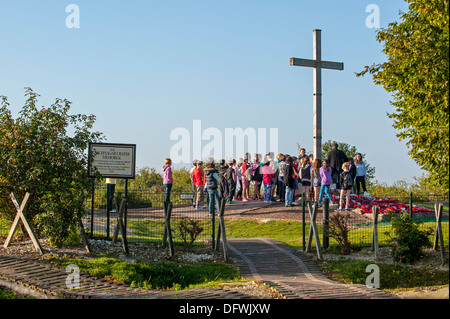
[277, 177]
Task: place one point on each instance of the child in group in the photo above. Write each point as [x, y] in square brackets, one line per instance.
[238, 169]
[223, 185]
[346, 180]
[194, 165]
[361, 174]
[268, 174]
[245, 181]
[273, 165]
[231, 181]
[281, 169]
[326, 181]
[305, 175]
[167, 178]
[316, 179]
[289, 181]
[212, 183]
[257, 177]
[197, 177]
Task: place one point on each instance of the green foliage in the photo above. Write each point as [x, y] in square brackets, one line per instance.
[338, 229]
[188, 229]
[181, 180]
[160, 275]
[391, 276]
[39, 156]
[416, 73]
[146, 177]
[409, 240]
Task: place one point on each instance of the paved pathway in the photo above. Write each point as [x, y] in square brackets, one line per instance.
[50, 282]
[292, 273]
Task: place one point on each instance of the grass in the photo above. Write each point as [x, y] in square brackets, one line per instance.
[391, 276]
[290, 232]
[348, 271]
[161, 275]
[6, 293]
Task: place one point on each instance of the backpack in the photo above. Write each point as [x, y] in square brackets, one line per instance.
[248, 174]
[256, 174]
[348, 180]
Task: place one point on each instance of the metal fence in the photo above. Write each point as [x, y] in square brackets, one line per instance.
[144, 220]
[360, 223]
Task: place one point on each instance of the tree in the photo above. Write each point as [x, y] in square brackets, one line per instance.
[38, 156]
[416, 74]
[146, 178]
[350, 151]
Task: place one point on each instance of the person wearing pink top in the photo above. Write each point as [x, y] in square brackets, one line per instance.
[268, 175]
[245, 182]
[326, 181]
[167, 178]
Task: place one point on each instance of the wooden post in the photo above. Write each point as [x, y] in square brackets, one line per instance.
[375, 210]
[313, 230]
[303, 222]
[21, 216]
[167, 229]
[325, 221]
[121, 227]
[221, 230]
[83, 235]
[438, 235]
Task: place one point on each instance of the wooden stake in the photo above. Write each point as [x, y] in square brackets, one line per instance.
[120, 226]
[313, 226]
[375, 210]
[21, 216]
[439, 238]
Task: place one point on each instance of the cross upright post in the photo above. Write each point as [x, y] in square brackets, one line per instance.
[318, 65]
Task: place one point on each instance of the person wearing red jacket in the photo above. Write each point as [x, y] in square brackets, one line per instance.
[199, 182]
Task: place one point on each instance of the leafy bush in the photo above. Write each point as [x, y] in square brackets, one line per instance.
[37, 155]
[338, 230]
[189, 229]
[409, 240]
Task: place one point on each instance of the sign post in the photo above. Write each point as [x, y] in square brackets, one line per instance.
[110, 160]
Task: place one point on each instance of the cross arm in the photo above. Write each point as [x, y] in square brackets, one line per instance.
[315, 64]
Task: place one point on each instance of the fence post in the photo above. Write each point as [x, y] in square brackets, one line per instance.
[438, 237]
[213, 220]
[410, 206]
[325, 219]
[303, 221]
[375, 210]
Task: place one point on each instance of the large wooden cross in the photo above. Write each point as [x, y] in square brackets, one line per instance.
[318, 65]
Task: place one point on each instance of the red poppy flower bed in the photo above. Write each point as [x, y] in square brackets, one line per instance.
[386, 205]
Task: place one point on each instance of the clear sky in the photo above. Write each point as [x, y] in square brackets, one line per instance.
[145, 68]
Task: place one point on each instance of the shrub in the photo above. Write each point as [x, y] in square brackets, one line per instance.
[338, 230]
[189, 229]
[37, 155]
[409, 240]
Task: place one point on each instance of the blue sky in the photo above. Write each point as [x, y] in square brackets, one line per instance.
[145, 68]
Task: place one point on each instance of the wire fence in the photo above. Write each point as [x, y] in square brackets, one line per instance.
[145, 220]
[359, 220]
